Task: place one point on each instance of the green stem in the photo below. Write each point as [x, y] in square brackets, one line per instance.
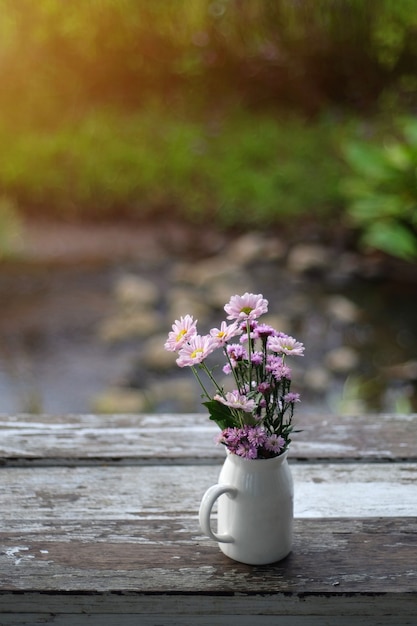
[201, 382]
[213, 380]
[233, 370]
[249, 354]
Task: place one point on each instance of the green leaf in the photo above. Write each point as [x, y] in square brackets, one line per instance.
[409, 126]
[368, 161]
[368, 209]
[393, 238]
[398, 155]
[220, 413]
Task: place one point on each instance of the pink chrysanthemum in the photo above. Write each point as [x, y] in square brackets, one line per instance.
[223, 334]
[182, 330]
[236, 353]
[264, 388]
[236, 400]
[256, 435]
[281, 371]
[292, 397]
[246, 450]
[272, 362]
[247, 307]
[195, 350]
[257, 358]
[284, 344]
[275, 443]
[230, 436]
[264, 330]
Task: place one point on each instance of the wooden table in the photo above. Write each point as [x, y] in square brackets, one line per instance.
[99, 525]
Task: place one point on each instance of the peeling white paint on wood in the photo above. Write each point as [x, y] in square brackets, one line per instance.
[117, 541]
[130, 436]
[321, 490]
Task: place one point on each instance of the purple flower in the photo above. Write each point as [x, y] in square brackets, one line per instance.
[274, 443]
[264, 388]
[281, 371]
[257, 358]
[272, 362]
[264, 330]
[229, 436]
[256, 410]
[292, 397]
[236, 353]
[245, 450]
[256, 436]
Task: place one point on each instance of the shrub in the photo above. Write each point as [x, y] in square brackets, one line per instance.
[243, 170]
[381, 190]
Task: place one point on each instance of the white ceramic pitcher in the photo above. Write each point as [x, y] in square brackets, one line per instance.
[255, 509]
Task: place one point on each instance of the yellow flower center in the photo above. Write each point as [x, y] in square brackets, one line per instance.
[195, 352]
[181, 334]
[246, 309]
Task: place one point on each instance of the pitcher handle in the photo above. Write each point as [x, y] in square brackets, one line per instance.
[206, 506]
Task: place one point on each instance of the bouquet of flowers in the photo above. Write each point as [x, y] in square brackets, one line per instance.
[255, 418]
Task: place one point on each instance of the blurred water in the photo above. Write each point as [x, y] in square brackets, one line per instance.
[52, 360]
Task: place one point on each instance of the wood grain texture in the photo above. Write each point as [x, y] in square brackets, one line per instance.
[98, 525]
[137, 438]
[108, 492]
[167, 556]
[338, 567]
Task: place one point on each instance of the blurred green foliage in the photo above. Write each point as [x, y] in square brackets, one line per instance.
[308, 55]
[205, 108]
[382, 190]
[10, 228]
[239, 171]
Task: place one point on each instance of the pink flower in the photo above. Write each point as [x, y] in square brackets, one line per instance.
[281, 371]
[264, 388]
[222, 335]
[236, 353]
[253, 324]
[246, 450]
[255, 355]
[292, 397]
[256, 435]
[182, 330]
[236, 401]
[284, 344]
[195, 351]
[230, 436]
[246, 307]
[257, 358]
[227, 369]
[264, 330]
[272, 362]
[274, 443]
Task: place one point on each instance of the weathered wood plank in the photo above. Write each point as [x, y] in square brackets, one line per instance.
[88, 494]
[266, 610]
[329, 557]
[137, 438]
[118, 541]
[313, 610]
[198, 620]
